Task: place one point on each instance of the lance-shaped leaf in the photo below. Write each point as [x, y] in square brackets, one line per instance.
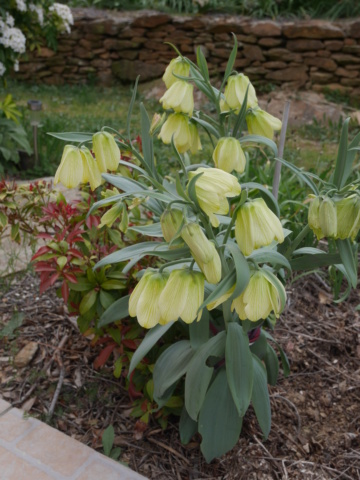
[272, 365]
[240, 120]
[241, 267]
[284, 359]
[187, 427]
[117, 311]
[73, 136]
[219, 421]
[340, 167]
[199, 331]
[349, 260]
[199, 375]
[269, 255]
[150, 339]
[239, 367]
[352, 150]
[170, 366]
[260, 397]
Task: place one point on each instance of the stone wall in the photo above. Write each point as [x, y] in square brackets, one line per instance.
[107, 46]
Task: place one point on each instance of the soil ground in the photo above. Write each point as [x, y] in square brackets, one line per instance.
[316, 410]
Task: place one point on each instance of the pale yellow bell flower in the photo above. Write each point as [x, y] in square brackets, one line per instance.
[228, 155]
[179, 97]
[91, 171]
[144, 300]
[107, 153]
[220, 300]
[256, 226]
[177, 66]
[195, 142]
[211, 269]
[348, 217]
[235, 93]
[71, 169]
[156, 122]
[262, 123]
[177, 127]
[213, 188]
[182, 296]
[259, 299]
[170, 222]
[328, 218]
[314, 218]
[111, 215]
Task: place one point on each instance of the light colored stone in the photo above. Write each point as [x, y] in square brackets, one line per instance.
[15, 468]
[54, 449]
[26, 354]
[13, 426]
[98, 470]
[4, 405]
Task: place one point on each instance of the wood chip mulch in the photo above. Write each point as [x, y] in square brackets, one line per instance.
[316, 411]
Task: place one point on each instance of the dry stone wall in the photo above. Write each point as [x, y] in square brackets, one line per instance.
[108, 46]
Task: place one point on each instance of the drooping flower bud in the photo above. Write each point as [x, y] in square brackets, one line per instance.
[144, 300]
[170, 222]
[177, 66]
[262, 123]
[328, 218]
[314, 219]
[213, 188]
[256, 226]
[228, 155]
[107, 153]
[177, 127]
[348, 217]
[195, 142]
[179, 97]
[235, 92]
[111, 215]
[259, 299]
[91, 172]
[182, 296]
[71, 169]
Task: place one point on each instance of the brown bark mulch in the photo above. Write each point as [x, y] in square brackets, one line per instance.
[316, 410]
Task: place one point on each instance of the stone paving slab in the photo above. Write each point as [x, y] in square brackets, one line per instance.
[31, 450]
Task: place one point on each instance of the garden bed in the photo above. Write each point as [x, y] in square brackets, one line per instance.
[316, 424]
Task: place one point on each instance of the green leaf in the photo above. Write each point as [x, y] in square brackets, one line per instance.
[272, 365]
[201, 61]
[231, 61]
[152, 230]
[241, 267]
[210, 128]
[268, 255]
[87, 302]
[309, 262]
[303, 176]
[259, 139]
[131, 106]
[15, 322]
[239, 367]
[219, 422]
[350, 158]
[348, 260]
[147, 140]
[240, 120]
[260, 397]
[170, 366]
[82, 285]
[340, 167]
[106, 299]
[108, 439]
[187, 427]
[72, 136]
[112, 285]
[146, 345]
[199, 375]
[199, 331]
[116, 311]
[284, 359]
[259, 347]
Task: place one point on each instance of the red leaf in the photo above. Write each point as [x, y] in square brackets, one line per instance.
[40, 252]
[92, 221]
[45, 236]
[70, 276]
[48, 281]
[65, 291]
[132, 390]
[75, 253]
[103, 356]
[129, 344]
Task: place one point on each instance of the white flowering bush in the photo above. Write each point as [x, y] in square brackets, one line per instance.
[25, 25]
[223, 252]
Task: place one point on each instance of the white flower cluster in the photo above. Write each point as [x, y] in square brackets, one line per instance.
[39, 12]
[9, 20]
[65, 15]
[21, 5]
[13, 38]
[2, 69]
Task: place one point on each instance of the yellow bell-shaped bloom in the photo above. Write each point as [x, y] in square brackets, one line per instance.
[235, 92]
[107, 153]
[91, 172]
[182, 296]
[144, 300]
[213, 188]
[156, 122]
[179, 97]
[177, 66]
[256, 226]
[328, 218]
[203, 251]
[314, 218]
[177, 127]
[170, 222]
[195, 142]
[111, 215]
[348, 217]
[71, 169]
[228, 155]
[220, 300]
[262, 123]
[259, 299]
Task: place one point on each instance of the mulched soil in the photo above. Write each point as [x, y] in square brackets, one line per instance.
[316, 411]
